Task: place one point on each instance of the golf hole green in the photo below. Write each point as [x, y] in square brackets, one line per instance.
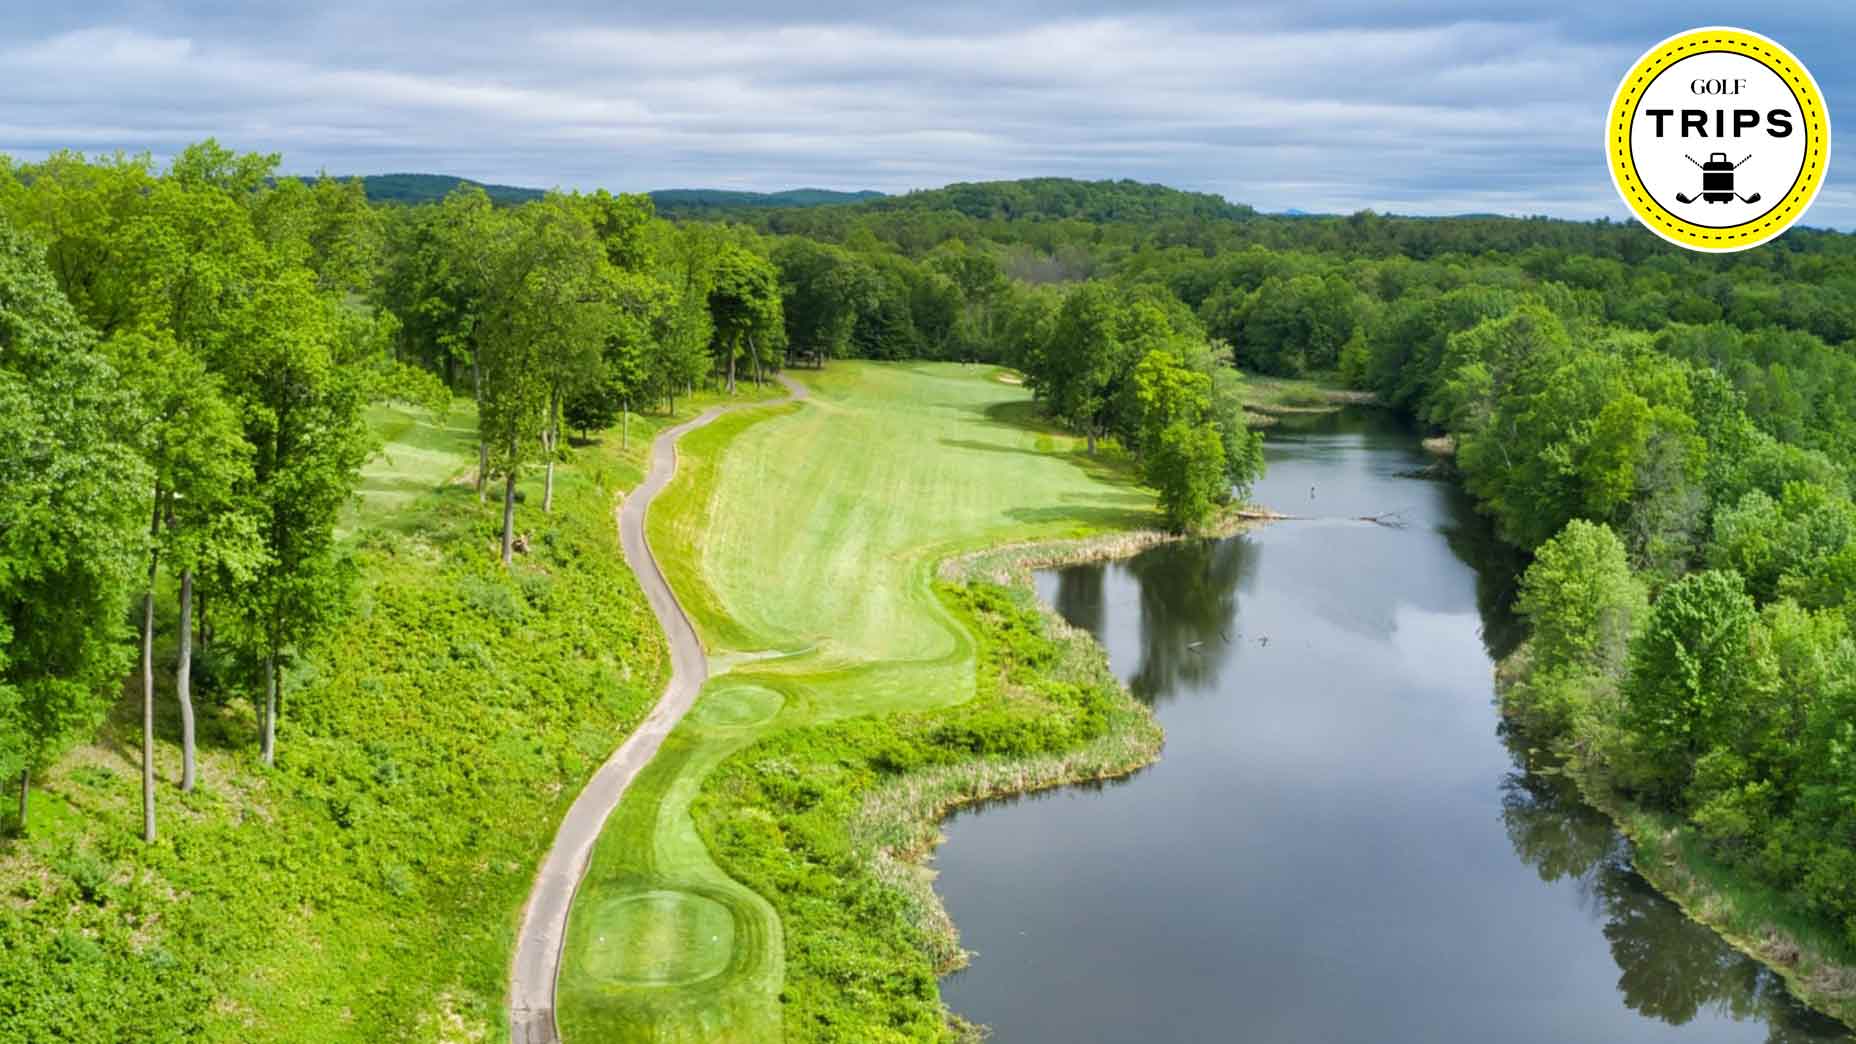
[736, 706]
[659, 938]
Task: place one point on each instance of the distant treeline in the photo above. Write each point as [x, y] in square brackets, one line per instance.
[412, 189]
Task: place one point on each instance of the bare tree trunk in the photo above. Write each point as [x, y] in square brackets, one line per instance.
[25, 788]
[731, 371]
[1091, 434]
[755, 348]
[483, 448]
[625, 423]
[551, 437]
[183, 681]
[148, 677]
[267, 744]
[509, 517]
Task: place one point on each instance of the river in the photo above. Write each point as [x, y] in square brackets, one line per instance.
[1340, 842]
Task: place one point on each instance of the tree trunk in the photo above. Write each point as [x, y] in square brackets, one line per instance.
[1091, 435]
[509, 517]
[183, 681]
[267, 745]
[755, 348]
[731, 371]
[25, 788]
[148, 677]
[551, 437]
[625, 423]
[483, 448]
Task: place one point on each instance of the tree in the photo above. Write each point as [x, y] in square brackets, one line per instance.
[442, 261]
[623, 224]
[196, 450]
[302, 370]
[69, 539]
[192, 253]
[1085, 361]
[639, 302]
[677, 355]
[326, 226]
[984, 289]
[1187, 466]
[1691, 673]
[1185, 431]
[1581, 599]
[570, 293]
[544, 326]
[823, 290]
[744, 304]
[164, 266]
[1800, 545]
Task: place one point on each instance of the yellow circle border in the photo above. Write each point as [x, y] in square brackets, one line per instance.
[1658, 219]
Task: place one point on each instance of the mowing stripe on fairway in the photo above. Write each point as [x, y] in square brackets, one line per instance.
[812, 532]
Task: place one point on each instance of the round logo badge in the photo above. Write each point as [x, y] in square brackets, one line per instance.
[1718, 139]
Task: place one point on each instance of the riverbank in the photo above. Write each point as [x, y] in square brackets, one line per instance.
[1758, 921]
[1268, 400]
[727, 899]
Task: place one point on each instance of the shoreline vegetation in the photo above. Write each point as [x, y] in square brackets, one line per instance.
[1818, 968]
[798, 799]
[1268, 400]
[901, 822]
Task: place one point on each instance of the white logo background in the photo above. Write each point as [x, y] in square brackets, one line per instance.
[1662, 163]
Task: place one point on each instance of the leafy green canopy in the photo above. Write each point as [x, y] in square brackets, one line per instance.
[70, 541]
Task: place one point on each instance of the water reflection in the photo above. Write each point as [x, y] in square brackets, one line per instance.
[1328, 849]
[1671, 967]
[1189, 614]
[1498, 569]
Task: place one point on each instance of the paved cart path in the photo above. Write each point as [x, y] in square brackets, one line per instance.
[544, 920]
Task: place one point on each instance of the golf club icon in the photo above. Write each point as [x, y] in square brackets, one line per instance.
[1717, 180]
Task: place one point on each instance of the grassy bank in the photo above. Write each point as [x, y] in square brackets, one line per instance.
[846, 675]
[1268, 399]
[366, 888]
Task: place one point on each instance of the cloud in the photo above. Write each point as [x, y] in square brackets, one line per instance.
[1441, 108]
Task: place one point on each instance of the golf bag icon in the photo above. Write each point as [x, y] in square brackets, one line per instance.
[1717, 180]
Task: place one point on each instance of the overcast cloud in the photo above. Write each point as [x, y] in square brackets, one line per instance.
[1436, 108]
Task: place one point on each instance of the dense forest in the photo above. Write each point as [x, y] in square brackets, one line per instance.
[188, 354]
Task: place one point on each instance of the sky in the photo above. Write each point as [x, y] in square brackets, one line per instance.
[1438, 107]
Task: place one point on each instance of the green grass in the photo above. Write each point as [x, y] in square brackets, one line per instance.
[803, 540]
[367, 888]
[420, 453]
[1289, 394]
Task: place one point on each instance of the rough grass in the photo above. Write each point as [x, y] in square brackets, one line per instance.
[803, 541]
[1266, 398]
[368, 887]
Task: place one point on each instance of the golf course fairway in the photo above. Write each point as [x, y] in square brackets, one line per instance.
[802, 541]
